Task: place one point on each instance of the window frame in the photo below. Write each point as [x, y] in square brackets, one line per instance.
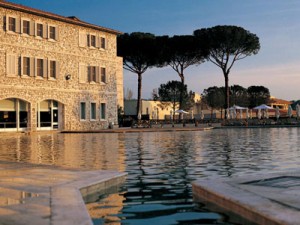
[28, 66]
[37, 30]
[27, 33]
[93, 111]
[103, 111]
[54, 70]
[82, 108]
[103, 68]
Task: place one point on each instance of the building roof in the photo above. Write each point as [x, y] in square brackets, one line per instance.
[279, 101]
[72, 19]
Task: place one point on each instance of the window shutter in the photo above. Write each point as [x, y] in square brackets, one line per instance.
[11, 65]
[98, 41]
[88, 40]
[32, 67]
[56, 69]
[32, 26]
[6, 23]
[56, 33]
[97, 74]
[82, 73]
[82, 40]
[45, 31]
[21, 63]
[18, 25]
[89, 74]
[45, 68]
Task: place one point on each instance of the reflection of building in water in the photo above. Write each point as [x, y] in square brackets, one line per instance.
[14, 197]
[107, 208]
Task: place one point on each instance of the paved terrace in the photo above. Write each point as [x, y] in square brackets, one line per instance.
[40, 195]
[270, 199]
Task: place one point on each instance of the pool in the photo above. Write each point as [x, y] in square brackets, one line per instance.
[160, 166]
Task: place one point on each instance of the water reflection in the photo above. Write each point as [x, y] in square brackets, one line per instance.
[160, 166]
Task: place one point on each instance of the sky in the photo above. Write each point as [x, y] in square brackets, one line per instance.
[275, 22]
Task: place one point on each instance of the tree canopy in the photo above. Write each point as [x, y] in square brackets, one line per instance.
[258, 95]
[180, 52]
[170, 92]
[139, 53]
[228, 44]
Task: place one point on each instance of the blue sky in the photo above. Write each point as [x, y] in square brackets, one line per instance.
[276, 23]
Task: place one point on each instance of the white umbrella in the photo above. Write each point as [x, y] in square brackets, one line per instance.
[290, 111]
[277, 113]
[181, 111]
[263, 106]
[234, 113]
[259, 114]
[227, 113]
[298, 111]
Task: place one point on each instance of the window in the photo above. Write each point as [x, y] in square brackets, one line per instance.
[12, 24]
[26, 27]
[91, 40]
[93, 111]
[82, 111]
[52, 32]
[102, 111]
[93, 74]
[52, 69]
[103, 75]
[103, 42]
[39, 30]
[26, 66]
[40, 67]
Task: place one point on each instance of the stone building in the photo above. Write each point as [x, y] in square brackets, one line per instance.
[56, 72]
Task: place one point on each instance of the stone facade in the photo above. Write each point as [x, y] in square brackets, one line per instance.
[74, 53]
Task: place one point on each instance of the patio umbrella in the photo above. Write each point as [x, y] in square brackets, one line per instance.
[290, 111]
[259, 114]
[227, 113]
[181, 111]
[277, 113]
[298, 111]
[263, 106]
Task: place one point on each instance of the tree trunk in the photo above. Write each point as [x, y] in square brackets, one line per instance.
[139, 100]
[181, 91]
[227, 92]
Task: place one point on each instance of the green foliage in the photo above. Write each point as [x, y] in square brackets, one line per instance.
[258, 95]
[214, 97]
[228, 44]
[170, 92]
[250, 97]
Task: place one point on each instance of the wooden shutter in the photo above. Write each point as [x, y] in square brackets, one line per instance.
[56, 33]
[57, 69]
[82, 73]
[82, 39]
[32, 28]
[18, 25]
[98, 42]
[89, 73]
[97, 74]
[45, 68]
[11, 65]
[32, 67]
[6, 23]
[45, 31]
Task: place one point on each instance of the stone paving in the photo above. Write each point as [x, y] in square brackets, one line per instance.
[267, 199]
[38, 195]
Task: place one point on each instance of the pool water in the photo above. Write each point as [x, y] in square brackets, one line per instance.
[160, 166]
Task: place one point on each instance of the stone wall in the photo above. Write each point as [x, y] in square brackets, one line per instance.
[67, 52]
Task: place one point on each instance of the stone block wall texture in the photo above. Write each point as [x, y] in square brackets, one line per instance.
[67, 52]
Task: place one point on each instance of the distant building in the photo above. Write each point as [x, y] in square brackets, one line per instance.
[56, 73]
[280, 103]
[154, 109]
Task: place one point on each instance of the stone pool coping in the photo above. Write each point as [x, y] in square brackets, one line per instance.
[38, 194]
[265, 199]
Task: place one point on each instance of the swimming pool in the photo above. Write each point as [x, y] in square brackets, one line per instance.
[160, 166]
